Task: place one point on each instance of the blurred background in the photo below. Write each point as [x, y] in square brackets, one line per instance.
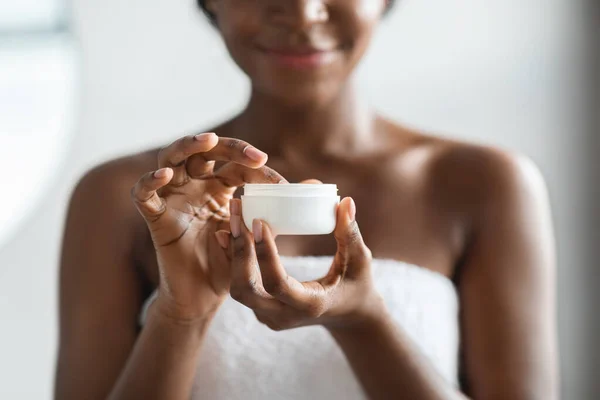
[85, 81]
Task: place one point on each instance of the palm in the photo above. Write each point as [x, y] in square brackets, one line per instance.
[194, 212]
[191, 210]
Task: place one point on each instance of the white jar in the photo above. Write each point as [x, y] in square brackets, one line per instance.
[292, 208]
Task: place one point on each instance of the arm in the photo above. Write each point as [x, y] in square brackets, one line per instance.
[163, 362]
[506, 287]
[183, 205]
[387, 363]
[100, 298]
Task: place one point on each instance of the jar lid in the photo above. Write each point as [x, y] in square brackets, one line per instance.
[291, 190]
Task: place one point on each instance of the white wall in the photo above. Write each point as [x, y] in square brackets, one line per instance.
[502, 72]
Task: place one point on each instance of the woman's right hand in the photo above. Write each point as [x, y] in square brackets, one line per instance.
[185, 202]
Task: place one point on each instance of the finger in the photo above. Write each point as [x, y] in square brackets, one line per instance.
[219, 212]
[275, 279]
[311, 182]
[223, 225]
[223, 239]
[287, 319]
[220, 277]
[236, 150]
[176, 154]
[227, 149]
[352, 252]
[246, 283]
[233, 175]
[144, 195]
[198, 167]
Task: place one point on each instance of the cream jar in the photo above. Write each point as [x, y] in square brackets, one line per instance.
[292, 208]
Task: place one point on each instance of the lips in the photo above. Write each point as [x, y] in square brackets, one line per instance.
[300, 57]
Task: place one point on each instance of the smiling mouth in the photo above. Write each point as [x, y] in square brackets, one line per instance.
[301, 58]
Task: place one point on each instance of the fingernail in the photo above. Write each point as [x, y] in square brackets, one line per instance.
[235, 225]
[283, 181]
[257, 230]
[161, 173]
[222, 239]
[234, 207]
[352, 210]
[204, 137]
[254, 153]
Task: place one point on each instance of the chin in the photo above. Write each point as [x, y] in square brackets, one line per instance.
[302, 93]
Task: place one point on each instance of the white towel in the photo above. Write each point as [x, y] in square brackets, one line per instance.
[243, 359]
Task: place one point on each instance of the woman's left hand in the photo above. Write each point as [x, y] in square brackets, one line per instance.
[344, 297]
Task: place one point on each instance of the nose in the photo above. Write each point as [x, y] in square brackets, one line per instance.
[299, 14]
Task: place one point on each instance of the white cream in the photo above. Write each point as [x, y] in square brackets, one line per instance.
[292, 209]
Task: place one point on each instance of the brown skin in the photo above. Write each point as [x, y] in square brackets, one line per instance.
[475, 214]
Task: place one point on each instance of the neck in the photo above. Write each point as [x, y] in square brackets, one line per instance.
[341, 125]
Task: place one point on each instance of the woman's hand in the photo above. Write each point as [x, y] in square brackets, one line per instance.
[184, 204]
[344, 297]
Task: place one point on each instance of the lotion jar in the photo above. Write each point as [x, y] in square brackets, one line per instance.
[292, 209]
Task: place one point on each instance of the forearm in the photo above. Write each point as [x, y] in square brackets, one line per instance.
[387, 363]
[163, 362]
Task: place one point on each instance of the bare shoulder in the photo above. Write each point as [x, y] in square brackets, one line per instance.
[472, 184]
[101, 200]
[475, 178]
[462, 172]
[110, 182]
[103, 226]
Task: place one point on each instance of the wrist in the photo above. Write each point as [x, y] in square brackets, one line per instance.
[170, 312]
[371, 313]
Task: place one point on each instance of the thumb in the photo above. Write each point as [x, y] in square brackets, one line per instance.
[352, 251]
[312, 182]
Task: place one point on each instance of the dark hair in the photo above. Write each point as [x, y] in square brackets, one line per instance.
[212, 19]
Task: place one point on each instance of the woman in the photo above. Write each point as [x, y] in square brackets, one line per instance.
[444, 226]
